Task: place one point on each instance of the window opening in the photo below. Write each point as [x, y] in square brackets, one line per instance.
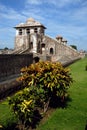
[28, 31]
[20, 31]
[51, 50]
[35, 30]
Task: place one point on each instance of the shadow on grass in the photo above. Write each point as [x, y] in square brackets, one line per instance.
[86, 127]
[57, 102]
[10, 127]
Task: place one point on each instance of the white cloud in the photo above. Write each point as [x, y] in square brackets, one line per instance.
[2, 43]
[60, 3]
[57, 3]
[9, 13]
[2, 7]
[80, 14]
[36, 2]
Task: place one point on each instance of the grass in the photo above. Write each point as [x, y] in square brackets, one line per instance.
[74, 116]
[7, 118]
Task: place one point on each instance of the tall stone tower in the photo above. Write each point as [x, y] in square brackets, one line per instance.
[29, 35]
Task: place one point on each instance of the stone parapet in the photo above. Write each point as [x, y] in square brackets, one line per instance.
[11, 64]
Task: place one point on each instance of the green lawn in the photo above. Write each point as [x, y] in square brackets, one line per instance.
[7, 118]
[74, 116]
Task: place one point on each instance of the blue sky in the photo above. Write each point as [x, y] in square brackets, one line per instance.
[67, 18]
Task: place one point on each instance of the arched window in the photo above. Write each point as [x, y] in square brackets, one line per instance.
[51, 51]
[38, 47]
[31, 45]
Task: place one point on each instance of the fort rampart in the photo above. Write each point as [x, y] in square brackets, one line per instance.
[10, 64]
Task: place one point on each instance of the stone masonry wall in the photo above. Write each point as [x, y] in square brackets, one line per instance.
[11, 64]
[60, 48]
[21, 42]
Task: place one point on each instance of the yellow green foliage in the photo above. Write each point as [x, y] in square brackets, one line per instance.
[48, 75]
[43, 82]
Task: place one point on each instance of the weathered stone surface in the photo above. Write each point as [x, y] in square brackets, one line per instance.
[11, 64]
[30, 37]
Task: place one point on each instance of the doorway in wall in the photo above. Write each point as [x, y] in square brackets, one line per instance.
[51, 51]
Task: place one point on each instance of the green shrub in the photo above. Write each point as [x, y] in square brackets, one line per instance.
[43, 81]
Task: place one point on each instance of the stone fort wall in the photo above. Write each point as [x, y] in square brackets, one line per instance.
[61, 51]
[10, 64]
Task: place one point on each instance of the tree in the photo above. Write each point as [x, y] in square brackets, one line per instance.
[74, 46]
[6, 48]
